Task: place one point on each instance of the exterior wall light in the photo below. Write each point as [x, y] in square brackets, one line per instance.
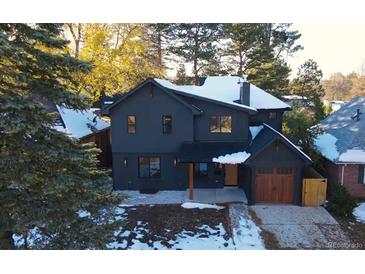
[125, 162]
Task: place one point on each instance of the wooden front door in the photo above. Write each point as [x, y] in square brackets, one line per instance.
[231, 175]
[275, 185]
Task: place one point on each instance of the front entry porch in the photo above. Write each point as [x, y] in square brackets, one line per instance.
[218, 195]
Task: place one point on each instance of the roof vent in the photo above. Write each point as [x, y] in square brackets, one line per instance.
[356, 115]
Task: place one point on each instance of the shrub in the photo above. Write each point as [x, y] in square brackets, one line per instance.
[340, 202]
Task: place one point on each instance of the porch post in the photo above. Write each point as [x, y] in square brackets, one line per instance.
[191, 180]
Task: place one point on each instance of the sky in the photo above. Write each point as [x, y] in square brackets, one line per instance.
[336, 47]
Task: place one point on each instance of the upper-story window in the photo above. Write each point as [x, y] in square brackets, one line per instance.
[131, 123]
[272, 115]
[166, 124]
[220, 124]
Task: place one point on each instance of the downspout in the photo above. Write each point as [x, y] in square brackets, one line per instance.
[342, 173]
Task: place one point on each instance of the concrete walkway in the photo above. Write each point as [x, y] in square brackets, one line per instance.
[298, 227]
[212, 195]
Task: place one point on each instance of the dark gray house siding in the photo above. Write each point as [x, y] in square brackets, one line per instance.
[240, 121]
[263, 116]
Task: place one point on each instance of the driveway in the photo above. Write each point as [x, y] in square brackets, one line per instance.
[296, 227]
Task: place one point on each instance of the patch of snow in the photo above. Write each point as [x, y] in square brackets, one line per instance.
[247, 235]
[117, 245]
[352, 156]
[226, 89]
[83, 213]
[79, 123]
[255, 130]
[190, 205]
[359, 213]
[234, 158]
[294, 97]
[326, 144]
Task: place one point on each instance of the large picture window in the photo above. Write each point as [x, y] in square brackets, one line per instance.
[149, 167]
[220, 124]
[166, 124]
[131, 123]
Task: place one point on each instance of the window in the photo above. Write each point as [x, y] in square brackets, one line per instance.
[220, 124]
[272, 115]
[149, 167]
[361, 178]
[201, 169]
[284, 170]
[131, 121]
[166, 124]
[265, 170]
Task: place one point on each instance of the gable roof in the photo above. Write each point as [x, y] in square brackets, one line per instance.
[195, 110]
[226, 89]
[265, 136]
[79, 124]
[343, 138]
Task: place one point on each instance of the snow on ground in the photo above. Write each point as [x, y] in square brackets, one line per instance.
[359, 213]
[326, 144]
[234, 158]
[247, 235]
[255, 130]
[200, 206]
[80, 123]
[161, 197]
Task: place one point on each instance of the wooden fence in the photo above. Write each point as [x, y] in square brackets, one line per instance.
[314, 192]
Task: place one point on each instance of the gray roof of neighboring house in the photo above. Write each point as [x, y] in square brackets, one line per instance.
[343, 137]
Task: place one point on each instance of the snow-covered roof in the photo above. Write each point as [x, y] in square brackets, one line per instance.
[226, 89]
[78, 123]
[254, 130]
[342, 139]
[294, 97]
[233, 158]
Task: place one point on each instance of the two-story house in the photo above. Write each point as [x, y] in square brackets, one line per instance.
[225, 132]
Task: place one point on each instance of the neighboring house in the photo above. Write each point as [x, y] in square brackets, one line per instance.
[226, 132]
[86, 126]
[342, 143]
[335, 104]
[298, 100]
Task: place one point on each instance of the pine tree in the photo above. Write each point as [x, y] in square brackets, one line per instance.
[196, 43]
[266, 66]
[181, 77]
[45, 176]
[308, 84]
[243, 39]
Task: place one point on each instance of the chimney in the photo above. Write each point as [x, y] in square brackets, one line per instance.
[244, 92]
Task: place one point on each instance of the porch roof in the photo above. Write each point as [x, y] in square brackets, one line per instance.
[204, 152]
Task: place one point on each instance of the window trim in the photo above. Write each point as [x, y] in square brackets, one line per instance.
[220, 124]
[163, 124]
[135, 123]
[149, 167]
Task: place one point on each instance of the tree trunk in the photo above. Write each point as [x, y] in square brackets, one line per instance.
[240, 66]
[6, 240]
[159, 49]
[196, 54]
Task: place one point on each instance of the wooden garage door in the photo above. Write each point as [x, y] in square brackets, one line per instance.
[275, 185]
